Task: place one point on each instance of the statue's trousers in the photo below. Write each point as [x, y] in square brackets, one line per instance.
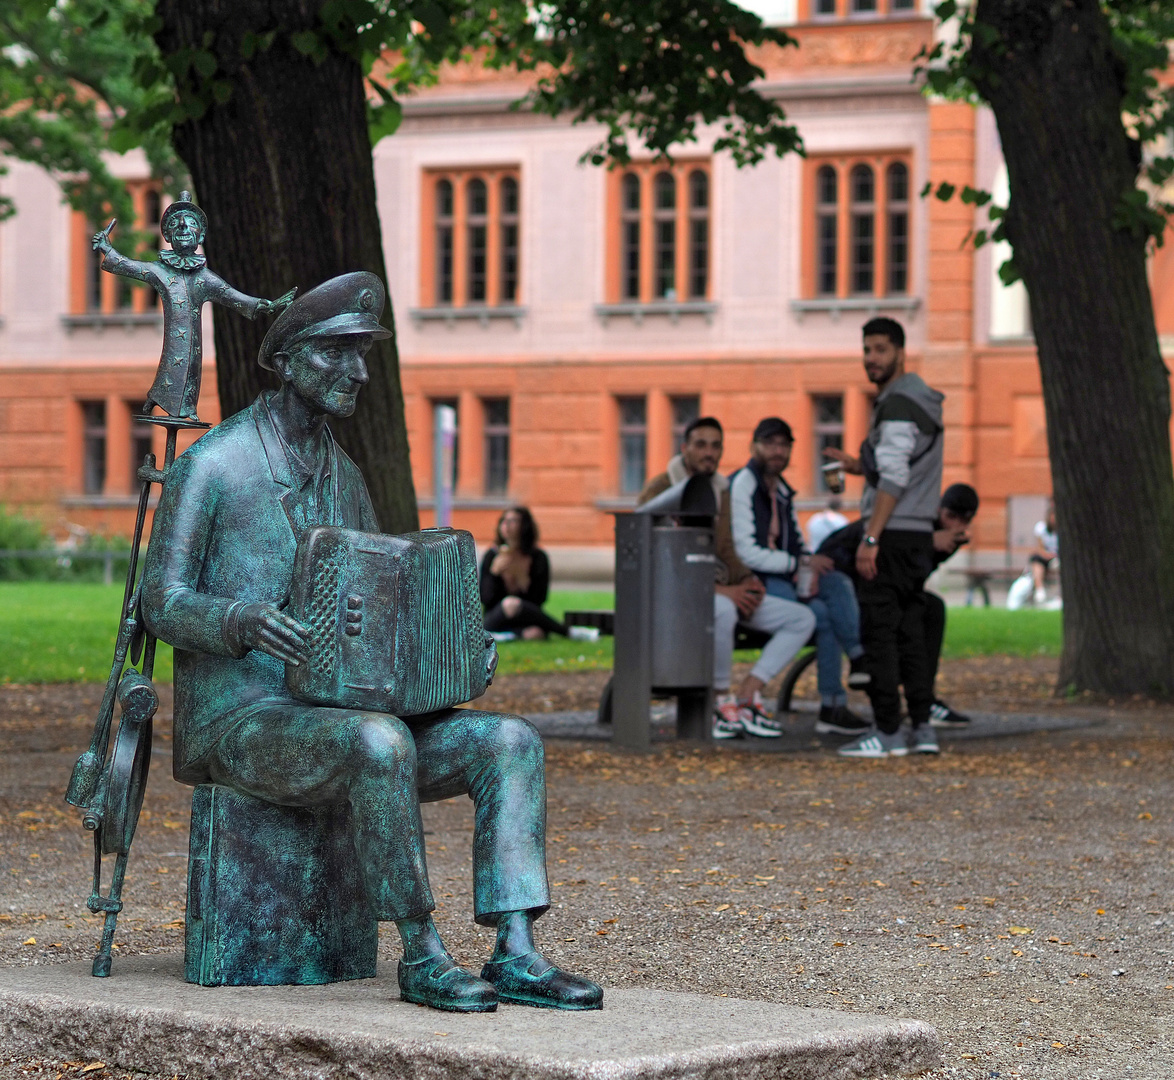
[303, 755]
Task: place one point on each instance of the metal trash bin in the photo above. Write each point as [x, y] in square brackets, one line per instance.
[664, 613]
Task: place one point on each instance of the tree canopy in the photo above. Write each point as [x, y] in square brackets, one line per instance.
[80, 77]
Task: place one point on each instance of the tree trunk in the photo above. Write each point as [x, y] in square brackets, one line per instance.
[284, 172]
[1054, 84]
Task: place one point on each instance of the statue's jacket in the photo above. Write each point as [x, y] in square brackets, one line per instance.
[184, 285]
[226, 530]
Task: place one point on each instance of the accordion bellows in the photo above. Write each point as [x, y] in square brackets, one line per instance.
[395, 621]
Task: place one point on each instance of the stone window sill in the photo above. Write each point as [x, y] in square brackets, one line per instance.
[836, 306]
[613, 504]
[672, 309]
[100, 320]
[482, 314]
[470, 502]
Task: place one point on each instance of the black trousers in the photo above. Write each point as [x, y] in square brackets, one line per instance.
[892, 628]
[935, 632]
[529, 614]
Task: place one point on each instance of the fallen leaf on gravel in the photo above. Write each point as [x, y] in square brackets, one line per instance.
[1058, 1046]
[721, 907]
[1036, 1001]
[29, 941]
[1019, 931]
[94, 1066]
[1145, 817]
[1100, 911]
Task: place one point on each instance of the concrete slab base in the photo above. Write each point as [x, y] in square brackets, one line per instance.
[144, 1016]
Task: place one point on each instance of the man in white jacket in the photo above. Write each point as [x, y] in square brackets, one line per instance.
[768, 540]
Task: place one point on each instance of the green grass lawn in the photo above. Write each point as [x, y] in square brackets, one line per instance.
[64, 632]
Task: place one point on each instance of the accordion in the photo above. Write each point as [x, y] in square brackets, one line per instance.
[395, 621]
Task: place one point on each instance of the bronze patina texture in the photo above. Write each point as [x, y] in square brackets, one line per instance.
[184, 284]
[217, 579]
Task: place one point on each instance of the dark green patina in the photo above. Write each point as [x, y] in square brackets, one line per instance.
[306, 822]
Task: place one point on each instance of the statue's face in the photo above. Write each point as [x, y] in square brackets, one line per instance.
[184, 233]
[327, 372]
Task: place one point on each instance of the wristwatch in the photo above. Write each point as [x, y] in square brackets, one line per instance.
[870, 541]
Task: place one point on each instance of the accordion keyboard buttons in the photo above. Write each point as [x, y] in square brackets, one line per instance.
[354, 615]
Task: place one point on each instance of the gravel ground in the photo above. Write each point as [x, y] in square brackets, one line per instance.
[1015, 893]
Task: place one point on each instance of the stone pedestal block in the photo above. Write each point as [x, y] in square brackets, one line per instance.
[146, 1018]
[274, 895]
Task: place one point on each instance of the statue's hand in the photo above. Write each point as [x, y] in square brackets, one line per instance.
[279, 305]
[101, 242]
[262, 626]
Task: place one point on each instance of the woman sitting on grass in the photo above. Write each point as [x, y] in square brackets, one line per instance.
[515, 580]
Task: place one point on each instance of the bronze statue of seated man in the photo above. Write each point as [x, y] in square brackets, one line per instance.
[217, 575]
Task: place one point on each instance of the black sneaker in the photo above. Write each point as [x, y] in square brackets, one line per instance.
[858, 676]
[942, 716]
[840, 720]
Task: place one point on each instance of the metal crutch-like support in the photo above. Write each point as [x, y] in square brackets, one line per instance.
[111, 793]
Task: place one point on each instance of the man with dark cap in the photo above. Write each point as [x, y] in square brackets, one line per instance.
[216, 578]
[767, 539]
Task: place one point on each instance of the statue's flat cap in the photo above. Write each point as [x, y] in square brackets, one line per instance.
[347, 304]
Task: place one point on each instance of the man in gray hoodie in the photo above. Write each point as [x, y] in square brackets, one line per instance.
[901, 461]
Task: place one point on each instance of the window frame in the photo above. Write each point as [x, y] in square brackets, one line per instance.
[95, 445]
[495, 222]
[619, 248]
[821, 429]
[628, 430]
[845, 11]
[491, 430]
[847, 209]
[95, 292]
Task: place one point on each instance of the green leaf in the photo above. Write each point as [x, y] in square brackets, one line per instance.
[205, 64]
[1009, 273]
[305, 41]
[945, 191]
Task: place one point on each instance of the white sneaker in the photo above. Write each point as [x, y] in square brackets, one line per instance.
[1041, 597]
[876, 744]
[726, 724]
[583, 633]
[756, 722]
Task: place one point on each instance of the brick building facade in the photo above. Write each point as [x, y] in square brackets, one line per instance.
[576, 317]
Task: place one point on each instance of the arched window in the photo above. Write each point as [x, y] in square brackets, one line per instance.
[897, 184]
[444, 242]
[630, 237]
[698, 234]
[477, 226]
[826, 204]
[862, 211]
[664, 231]
[509, 241]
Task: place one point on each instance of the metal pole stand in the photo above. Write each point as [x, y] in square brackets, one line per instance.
[110, 794]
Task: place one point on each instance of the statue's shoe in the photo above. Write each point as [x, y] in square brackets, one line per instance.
[531, 979]
[437, 981]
